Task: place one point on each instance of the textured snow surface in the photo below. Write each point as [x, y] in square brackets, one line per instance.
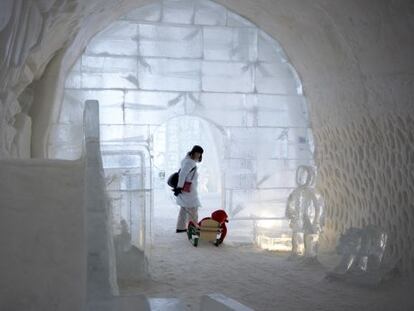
[262, 280]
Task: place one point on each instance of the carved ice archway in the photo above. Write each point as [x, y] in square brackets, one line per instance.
[167, 59]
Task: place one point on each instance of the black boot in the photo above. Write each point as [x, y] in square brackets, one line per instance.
[218, 242]
[180, 230]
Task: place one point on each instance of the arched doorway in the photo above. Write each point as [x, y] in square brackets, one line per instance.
[163, 61]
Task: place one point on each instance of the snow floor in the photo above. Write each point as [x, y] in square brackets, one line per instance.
[262, 280]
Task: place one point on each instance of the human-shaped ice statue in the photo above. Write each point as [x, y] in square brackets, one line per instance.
[305, 211]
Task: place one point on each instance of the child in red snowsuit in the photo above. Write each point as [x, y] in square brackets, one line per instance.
[221, 217]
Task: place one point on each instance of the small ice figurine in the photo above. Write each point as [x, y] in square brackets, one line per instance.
[362, 250]
[305, 211]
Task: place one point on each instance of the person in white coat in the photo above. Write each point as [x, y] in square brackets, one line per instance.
[186, 190]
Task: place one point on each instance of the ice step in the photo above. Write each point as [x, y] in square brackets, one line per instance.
[122, 303]
[136, 303]
[166, 304]
[219, 302]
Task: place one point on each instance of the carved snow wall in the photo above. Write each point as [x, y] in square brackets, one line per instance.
[366, 174]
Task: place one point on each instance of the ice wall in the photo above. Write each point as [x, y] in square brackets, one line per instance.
[42, 235]
[367, 177]
[57, 246]
[354, 59]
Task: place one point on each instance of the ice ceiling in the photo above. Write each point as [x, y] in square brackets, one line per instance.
[173, 59]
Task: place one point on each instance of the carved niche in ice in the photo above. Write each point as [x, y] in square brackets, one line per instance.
[304, 209]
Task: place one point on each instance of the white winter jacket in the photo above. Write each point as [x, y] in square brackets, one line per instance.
[188, 199]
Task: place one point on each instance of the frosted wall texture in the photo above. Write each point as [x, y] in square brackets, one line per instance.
[358, 158]
[195, 58]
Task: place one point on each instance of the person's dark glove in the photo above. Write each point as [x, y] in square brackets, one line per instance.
[177, 191]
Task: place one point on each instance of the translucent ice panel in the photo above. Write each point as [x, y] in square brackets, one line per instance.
[281, 111]
[234, 20]
[270, 143]
[278, 195]
[139, 116]
[282, 118]
[259, 135]
[223, 101]
[150, 13]
[281, 150]
[147, 100]
[124, 179]
[119, 80]
[109, 47]
[276, 78]
[263, 150]
[170, 41]
[223, 43]
[137, 133]
[235, 180]
[178, 11]
[104, 97]
[73, 80]
[282, 178]
[282, 164]
[118, 39]
[152, 100]
[108, 64]
[246, 150]
[259, 202]
[278, 103]
[292, 135]
[268, 172]
[209, 13]
[224, 118]
[142, 107]
[301, 151]
[227, 77]
[113, 114]
[169, 74]
[120, 160]
[269, 49]
[298, 135]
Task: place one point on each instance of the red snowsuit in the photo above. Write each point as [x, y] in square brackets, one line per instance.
[221, 217]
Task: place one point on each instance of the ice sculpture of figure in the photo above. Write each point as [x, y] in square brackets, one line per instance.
[373, 243]
[304, 209]
[362, 250]
[131, 263]
[123, 240]
[348, 246]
